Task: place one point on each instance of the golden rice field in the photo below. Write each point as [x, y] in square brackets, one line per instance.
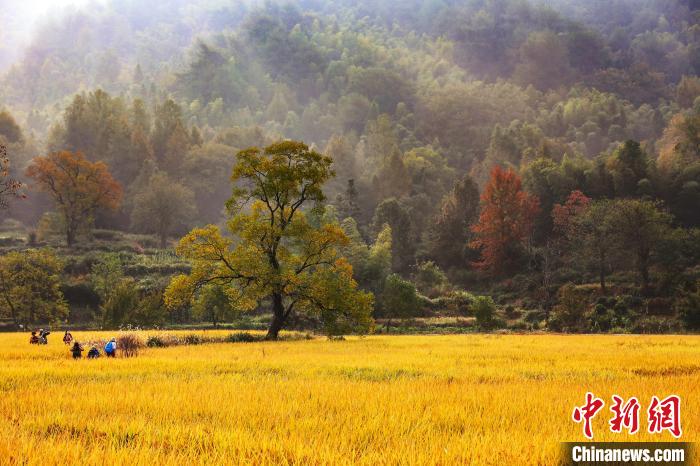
[468, 399]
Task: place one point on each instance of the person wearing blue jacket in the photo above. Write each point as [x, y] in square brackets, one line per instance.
[111, 348]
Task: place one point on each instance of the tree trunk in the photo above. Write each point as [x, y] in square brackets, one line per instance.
[70, 237]
[278, 317]
[163, 241]
[644, 273]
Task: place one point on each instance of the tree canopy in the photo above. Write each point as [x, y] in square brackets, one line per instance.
[274, 252]
[77, 186]
[505, 221]
[162, 207]
[30, 287]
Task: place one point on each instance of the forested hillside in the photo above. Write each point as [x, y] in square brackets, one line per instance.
[543, 153]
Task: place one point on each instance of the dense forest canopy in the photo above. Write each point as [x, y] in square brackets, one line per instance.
[421, 104]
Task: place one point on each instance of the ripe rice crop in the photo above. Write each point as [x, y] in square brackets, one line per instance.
[460, 399]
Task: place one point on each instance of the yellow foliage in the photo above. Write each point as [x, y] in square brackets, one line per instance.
[277, 253]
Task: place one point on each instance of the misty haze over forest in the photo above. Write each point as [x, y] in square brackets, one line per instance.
[426, 107]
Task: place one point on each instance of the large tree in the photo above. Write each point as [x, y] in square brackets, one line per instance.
[403, 241]
[641, 226]
[162, 206]
[30, 287]
[449, 233]
[274, 253]
[593, 236]
[78, 187]
[680, 144]
[399, 298]
[627, 165]
[170, 138]
[371, 264]
[505, 223]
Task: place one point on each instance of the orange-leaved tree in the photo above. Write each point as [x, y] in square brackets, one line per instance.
[78, 187]
[506, 219]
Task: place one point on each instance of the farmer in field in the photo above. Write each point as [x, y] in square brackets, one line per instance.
[94, 353]
[34, 340]
[111, 348]
[77, 350]
[43, 336]
[67, 338]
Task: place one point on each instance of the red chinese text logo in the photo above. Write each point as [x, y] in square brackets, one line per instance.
[626, 415]
[662, 414]
[665, 415]
[587, 412]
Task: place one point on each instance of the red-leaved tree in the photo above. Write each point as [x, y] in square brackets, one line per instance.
[564, 214]
[506, 220]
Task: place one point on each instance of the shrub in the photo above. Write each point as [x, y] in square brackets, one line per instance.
[484, 309]
[688, 308]
[121, 302]
[569, 313]
[511, 312]
[454, 303]
[430, 279]
[554, 324]
[399, 298]
[653, 325]
[534, 317]
[602, 319]
[128, 344]
[241, 337]
[156, 341]
[192, 339]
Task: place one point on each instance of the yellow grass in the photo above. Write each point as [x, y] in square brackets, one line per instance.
[380, 400]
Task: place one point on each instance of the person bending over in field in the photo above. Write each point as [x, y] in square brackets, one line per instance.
[111, 348]
[77, 350]
[34, 340]
[43, 336]
[67, 338]
[94, 353]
